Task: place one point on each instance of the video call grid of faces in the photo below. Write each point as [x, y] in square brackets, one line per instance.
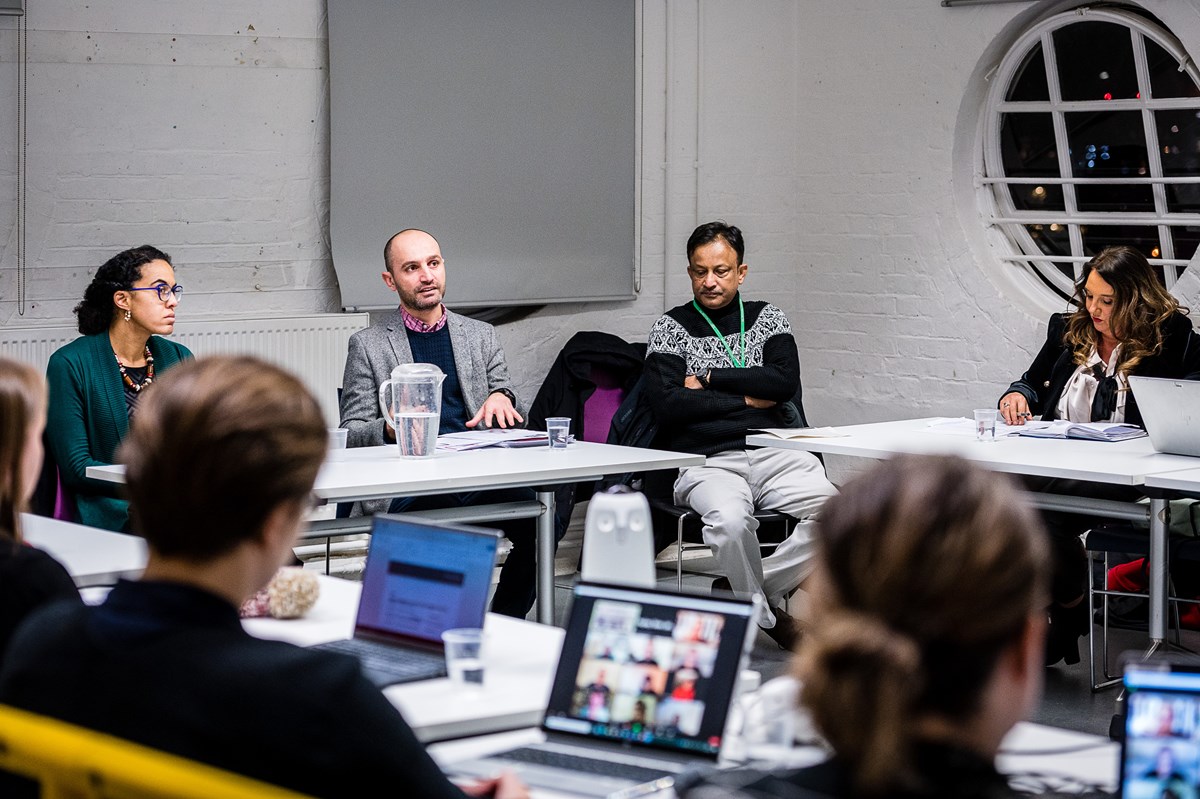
[643, 677]
[1162, 751]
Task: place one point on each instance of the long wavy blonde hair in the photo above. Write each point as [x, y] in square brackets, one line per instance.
[1141, 308]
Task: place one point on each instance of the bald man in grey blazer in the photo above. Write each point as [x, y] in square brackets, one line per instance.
[476, 391]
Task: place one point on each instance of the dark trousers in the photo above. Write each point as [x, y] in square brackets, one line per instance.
[1067, 553]
[517, 587]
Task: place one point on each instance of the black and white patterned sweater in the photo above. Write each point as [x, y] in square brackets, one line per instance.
[717, 418]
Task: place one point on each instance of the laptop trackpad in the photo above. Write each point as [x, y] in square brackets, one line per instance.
[547, 777]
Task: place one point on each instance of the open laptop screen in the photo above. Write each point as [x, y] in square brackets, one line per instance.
[1161, 751]
[424, 577]
[649, 667]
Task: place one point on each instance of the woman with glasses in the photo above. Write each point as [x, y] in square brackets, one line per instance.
[97, 379]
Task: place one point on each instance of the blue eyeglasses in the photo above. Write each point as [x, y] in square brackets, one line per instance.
[164, 291]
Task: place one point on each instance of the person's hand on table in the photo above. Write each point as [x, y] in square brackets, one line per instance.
[497, 409]
[1015, 408]
[505, 785]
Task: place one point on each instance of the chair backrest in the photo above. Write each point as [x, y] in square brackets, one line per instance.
[70, 762]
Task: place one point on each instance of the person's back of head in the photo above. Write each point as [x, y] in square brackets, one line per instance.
[22, 414]
[215, 447]
[929, 570]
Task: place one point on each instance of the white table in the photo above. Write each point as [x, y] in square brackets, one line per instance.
[1187, 480]
[521, 659]
[91, 556]
[1056, 756]
[1127, 463]
[374, 472]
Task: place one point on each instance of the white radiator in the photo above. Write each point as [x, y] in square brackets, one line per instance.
[313, 347]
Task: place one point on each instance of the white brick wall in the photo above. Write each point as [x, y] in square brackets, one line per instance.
[835, 132]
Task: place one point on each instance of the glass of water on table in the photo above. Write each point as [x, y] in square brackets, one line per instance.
[464, 656]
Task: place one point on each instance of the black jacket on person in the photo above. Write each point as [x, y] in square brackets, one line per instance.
[169, 666]
[29, 579]
[1043, 383]
[945, 772]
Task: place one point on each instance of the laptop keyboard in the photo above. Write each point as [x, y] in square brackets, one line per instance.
[583, 765]
[386, 665]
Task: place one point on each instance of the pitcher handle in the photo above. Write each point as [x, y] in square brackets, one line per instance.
[384, 406]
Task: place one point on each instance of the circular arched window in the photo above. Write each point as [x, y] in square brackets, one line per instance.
[1092, 138]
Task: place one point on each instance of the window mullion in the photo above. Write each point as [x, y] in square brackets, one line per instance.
[1050, 57]
[1166, 244]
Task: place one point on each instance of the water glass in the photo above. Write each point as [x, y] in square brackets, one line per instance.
[985, 424]
[338, 437]
[464, 656]
[558, 430]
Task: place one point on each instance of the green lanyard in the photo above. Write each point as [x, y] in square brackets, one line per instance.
[742, 313]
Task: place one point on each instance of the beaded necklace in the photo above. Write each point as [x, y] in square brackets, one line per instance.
[137, 387]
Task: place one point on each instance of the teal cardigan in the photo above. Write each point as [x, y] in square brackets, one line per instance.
[87, 420]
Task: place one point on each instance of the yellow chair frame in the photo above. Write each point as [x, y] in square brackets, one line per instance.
[71, 762]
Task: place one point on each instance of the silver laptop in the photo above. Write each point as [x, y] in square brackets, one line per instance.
[421, 578]
[1160, 751]
[641, 693]
[1171, 413]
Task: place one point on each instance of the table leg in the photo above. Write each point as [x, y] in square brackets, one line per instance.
[1160, 519]
[545, 558]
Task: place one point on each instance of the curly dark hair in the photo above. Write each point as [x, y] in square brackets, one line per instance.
[1141, 309]
[95, 311]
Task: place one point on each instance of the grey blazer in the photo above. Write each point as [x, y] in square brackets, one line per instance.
[376, 350]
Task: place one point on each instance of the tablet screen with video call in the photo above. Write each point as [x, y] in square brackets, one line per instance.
[1161, 752]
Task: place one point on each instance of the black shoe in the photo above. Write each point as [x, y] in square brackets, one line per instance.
[786, 632]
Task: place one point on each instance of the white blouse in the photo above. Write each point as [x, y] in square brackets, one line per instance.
[1075, 404]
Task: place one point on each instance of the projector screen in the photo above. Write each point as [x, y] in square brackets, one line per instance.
[504, 129]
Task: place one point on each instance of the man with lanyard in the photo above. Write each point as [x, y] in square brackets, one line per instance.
[716, 368]
[476, 391]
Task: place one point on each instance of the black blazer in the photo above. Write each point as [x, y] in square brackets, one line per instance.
[170, 667]
[1043, 383]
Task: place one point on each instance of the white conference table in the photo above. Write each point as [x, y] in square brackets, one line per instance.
[360, 473]
[521, 660]
[1126, 463]
[92, 557]
[1186, 480]
[521, 657]
[1034, 757]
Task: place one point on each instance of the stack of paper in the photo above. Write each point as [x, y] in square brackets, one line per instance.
[1091, 431]
[491, 437]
